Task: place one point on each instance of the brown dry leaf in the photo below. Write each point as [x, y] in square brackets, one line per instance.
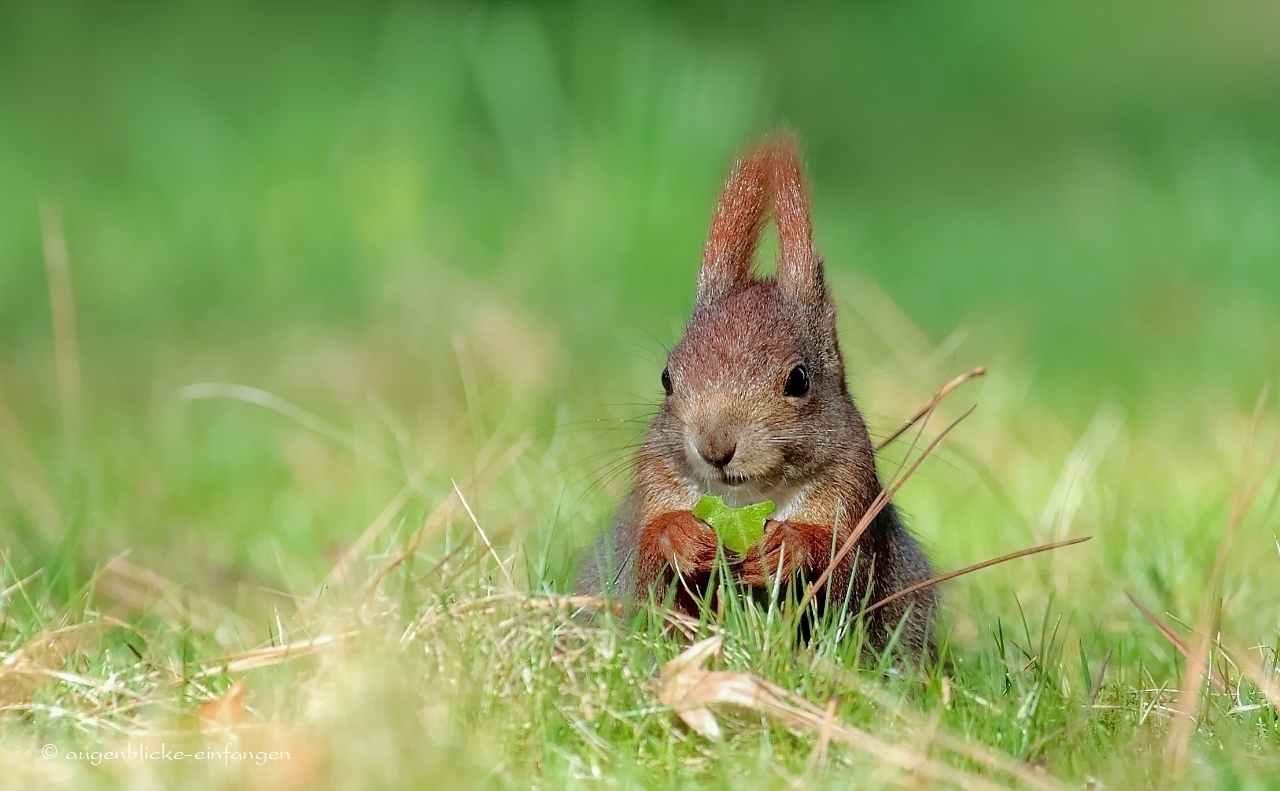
[694, 693]
[685, 688]
[290, 762]
[225, 712]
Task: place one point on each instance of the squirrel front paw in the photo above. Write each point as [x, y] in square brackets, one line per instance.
[787, 549]
[674, 543]
[681, 541]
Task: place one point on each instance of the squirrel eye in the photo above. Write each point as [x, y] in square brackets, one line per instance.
[666, 380]
[797, 382]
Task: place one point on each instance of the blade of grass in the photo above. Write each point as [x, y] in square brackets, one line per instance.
[62, 307]
[445, 510]
[340, 569]
[1187, 701]
[692, 692]
[932, 403]
[877, 505]
[483, 536]
[941, 578]
[266, 657]
[252, 395]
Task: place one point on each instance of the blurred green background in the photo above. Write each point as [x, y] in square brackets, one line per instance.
[416, 214]
[447, 243]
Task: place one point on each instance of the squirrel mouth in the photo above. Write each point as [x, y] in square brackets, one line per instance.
[733, 480]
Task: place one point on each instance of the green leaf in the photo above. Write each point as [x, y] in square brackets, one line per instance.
[739, 529]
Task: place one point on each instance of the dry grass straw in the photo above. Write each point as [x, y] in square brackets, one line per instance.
[19, 585]
[881, 500]
[62, 306]
[1257, 674]
[486, 469]
[695, 693]
[941, 578]
[487, 605]
[268, 656]
[1187, 702]
[1178, 641]
[288, 409]
[42, 658]
[819, 755]
[1249, 667]
[140, 589]
[900, 476]
[362, 544]
[913, 721]
[927, 408]
[439, 517]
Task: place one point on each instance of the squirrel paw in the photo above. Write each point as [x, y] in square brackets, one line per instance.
[787, 549]
[678, 542]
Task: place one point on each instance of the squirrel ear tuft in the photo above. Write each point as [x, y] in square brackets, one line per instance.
[740, 216]
[799, 267]
[769, 176]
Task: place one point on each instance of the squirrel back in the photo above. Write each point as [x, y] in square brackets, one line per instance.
[757, 408]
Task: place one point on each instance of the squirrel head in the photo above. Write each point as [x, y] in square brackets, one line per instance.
[756, 401]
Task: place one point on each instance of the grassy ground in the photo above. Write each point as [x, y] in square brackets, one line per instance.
[370, 305]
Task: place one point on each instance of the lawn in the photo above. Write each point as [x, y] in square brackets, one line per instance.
[327, 334]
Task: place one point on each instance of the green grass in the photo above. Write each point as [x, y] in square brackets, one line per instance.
[457, 238]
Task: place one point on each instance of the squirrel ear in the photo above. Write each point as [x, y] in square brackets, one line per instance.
[799, 267]
[735, 230]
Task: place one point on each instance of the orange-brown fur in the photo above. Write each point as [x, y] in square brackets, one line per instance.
[732, 424]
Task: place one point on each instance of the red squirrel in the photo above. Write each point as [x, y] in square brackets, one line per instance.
[757, 408]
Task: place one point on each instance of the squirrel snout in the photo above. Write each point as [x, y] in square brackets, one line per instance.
[716, 449]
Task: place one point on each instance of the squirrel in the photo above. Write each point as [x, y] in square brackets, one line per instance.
[757, 408]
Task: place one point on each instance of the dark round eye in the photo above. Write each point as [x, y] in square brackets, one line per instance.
[797, 382]
[666, 380]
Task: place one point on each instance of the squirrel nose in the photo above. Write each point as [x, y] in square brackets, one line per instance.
[717, 454]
